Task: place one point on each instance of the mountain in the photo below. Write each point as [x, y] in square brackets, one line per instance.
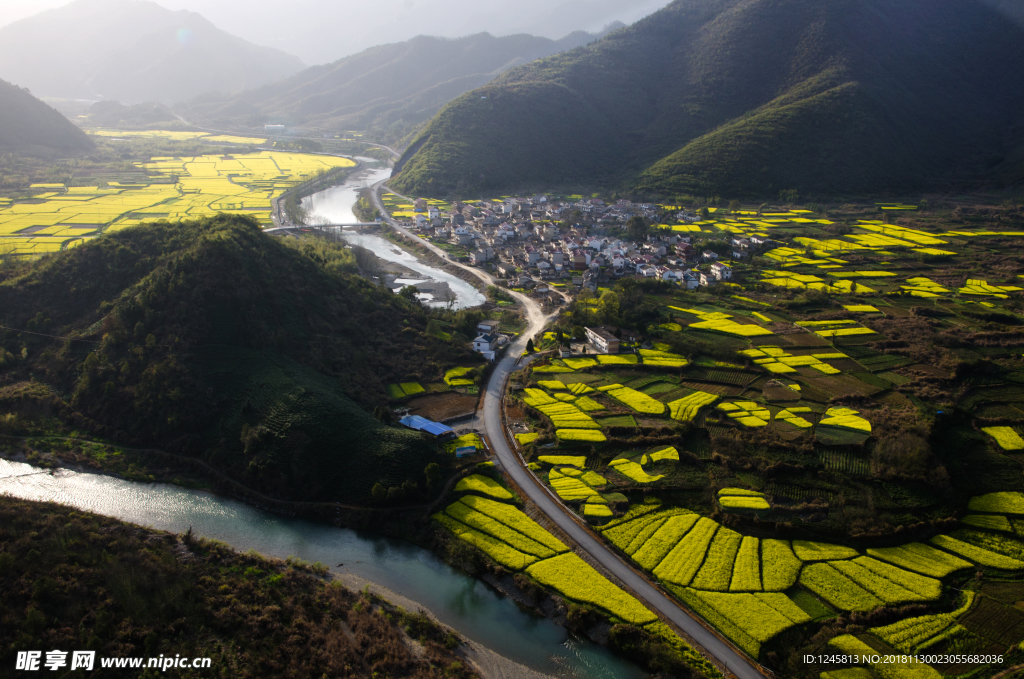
[132, 51]
[30, 127]
[747, 98]
[260, 356]
[389, 86]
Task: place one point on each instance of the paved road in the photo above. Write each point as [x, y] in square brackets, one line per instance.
[542, 497]
[738, 664]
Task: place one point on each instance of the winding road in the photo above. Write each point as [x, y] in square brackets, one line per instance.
[737, 664]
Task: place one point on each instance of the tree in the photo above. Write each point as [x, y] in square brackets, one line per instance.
[433, 474]
[705, 213]
[379, 492]
[734, 205]
[636, 227]
[608, 306]
[789, 196]
[529, 346]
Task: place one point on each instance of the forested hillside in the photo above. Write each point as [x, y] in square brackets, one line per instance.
[30, 127]
[388, 88]
[748, 98]
[79, 580]
[209, 338]
[133, 52]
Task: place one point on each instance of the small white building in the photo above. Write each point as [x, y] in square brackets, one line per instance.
[603, 341]
[721, 272]
[710, 256]
[487, 344]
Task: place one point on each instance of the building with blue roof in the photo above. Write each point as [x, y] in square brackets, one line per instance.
[423, 424]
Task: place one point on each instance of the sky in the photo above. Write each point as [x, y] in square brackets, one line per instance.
[320, 31]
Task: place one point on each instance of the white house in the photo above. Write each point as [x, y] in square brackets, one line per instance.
[603, 341]
[710, 256]
[707, 279]
[690, 281]
[433, 212]
[721, 272]
[487, 344]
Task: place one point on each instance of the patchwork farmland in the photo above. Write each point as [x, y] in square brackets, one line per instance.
[177, 188]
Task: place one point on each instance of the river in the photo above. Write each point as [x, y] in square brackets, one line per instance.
[464, 603]
[335, 204]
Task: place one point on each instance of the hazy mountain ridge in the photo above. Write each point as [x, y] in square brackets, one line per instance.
[743, 97]
[133, 51]
[402, 83]
[29, 126]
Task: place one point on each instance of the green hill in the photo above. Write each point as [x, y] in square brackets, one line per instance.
[388, 88]
[211, 339]
[29, 126]
[747, 98]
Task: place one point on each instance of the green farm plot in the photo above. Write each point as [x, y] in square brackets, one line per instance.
[617, 421]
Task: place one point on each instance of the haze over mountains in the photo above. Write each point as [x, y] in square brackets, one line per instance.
[388, 87]
[748, 97]
[29, 126]
[132, 51]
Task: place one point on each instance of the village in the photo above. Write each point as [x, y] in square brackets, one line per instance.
[541, 243]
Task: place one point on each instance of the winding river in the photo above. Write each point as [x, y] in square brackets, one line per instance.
[335, 204]
[462, 602]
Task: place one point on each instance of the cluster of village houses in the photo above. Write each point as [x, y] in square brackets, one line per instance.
[524, 242]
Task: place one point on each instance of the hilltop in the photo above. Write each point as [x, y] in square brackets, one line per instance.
[259, 355]
[29, 126]
[389, 88]
[747, 98]
[132, 51]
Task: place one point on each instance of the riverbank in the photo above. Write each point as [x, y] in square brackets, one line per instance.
[463, 603]
[125, 589]
[486, 662]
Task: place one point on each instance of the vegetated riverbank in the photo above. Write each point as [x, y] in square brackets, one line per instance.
[76, 580]
[292, 199]
[468, 605]
[412, 524]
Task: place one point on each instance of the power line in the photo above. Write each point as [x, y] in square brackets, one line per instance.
[43, 334]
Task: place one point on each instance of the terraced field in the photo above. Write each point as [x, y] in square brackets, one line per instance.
[754, 589]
